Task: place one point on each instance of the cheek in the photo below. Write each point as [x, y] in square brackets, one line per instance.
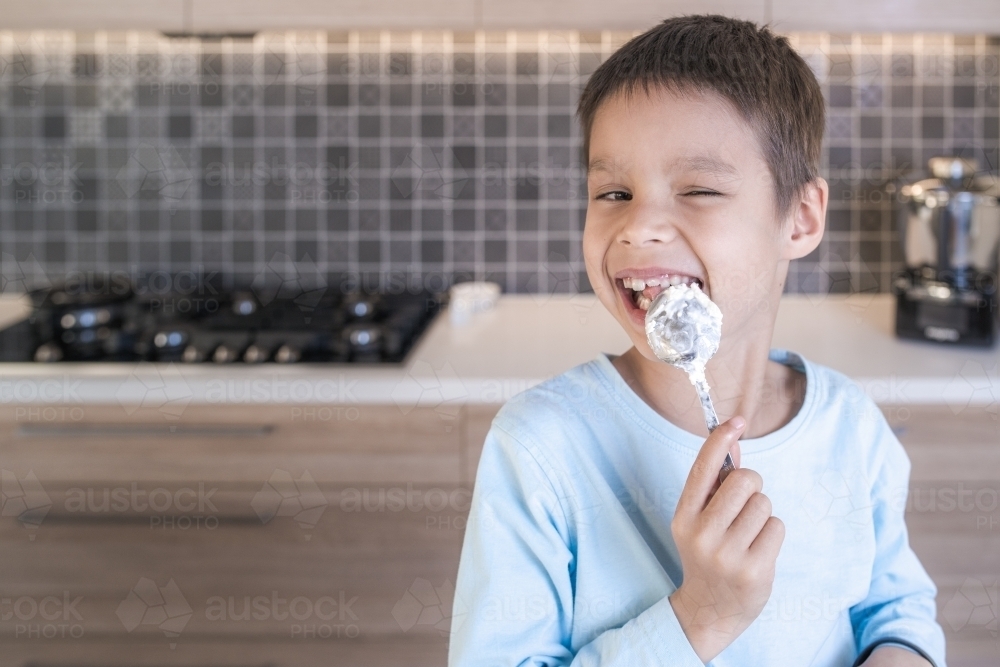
[743, 269]
[594, 251]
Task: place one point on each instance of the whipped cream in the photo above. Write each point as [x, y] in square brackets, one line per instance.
[683, 328]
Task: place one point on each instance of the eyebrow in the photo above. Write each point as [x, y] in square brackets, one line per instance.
[708, 164]
[703, 163]
[603, 164]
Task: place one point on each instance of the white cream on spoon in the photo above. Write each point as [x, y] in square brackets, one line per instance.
[683, 328]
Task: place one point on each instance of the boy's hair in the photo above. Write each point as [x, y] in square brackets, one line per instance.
[758, 72]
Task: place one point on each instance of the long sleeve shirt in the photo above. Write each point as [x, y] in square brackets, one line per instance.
[568, 556]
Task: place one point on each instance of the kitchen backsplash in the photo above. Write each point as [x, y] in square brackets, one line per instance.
[415, 158]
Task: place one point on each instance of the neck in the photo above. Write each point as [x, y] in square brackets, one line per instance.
[742, 379]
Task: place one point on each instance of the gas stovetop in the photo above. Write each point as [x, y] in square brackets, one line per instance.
[231, 327]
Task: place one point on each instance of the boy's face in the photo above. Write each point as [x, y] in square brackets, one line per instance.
[678, 189]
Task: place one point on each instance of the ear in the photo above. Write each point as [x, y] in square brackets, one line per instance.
[806, 222]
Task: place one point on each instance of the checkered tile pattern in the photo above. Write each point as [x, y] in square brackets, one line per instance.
[425, 157]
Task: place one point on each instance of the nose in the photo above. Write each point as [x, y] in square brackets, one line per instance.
[645, 226]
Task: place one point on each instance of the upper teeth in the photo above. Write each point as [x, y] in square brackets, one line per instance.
[639, 284]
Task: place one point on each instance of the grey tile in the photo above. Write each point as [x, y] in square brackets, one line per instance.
[496, 125]
[902, 96]
[336, 114]
[870, 96]
[932, 127]
[871, 127]
[963, 96]
[902, 127]
[840, 96]
[932, 96]
[432, 125]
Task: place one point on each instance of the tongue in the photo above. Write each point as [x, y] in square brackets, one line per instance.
[651, 291]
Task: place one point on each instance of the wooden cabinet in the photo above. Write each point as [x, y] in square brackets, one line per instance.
[967, 16]
[629, 14]
[214, 16]
[252, 15]
[954, 519]
[284, 535]
[167, 15]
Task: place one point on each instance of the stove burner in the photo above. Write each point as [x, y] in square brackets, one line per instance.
[357, 327]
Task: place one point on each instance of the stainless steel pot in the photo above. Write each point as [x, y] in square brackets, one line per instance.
[950, 223]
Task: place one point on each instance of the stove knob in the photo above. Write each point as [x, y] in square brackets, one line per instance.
[223, 355]
[366, 337]
[87, 318]
[67, 321]
[360, 306]
[191, 355]
[244, 304]
[169, 338]
[287, 354]
[48, 352]
[255, 355]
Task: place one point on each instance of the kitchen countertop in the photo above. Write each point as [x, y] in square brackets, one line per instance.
[522, 341]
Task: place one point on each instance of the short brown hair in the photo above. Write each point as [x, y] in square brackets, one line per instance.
[757, 71]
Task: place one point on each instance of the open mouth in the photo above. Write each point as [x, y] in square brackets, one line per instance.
[640, 292]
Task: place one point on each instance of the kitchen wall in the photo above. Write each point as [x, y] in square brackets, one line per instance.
[419, 156]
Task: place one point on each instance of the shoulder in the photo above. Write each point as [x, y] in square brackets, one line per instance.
[846, 410]
[556, 419]
[556, 407]
[831, 393]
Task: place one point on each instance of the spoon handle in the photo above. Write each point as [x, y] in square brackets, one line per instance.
[712, 422]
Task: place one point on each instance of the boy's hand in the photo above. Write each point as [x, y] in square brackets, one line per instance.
[893, 656]
[728, 543]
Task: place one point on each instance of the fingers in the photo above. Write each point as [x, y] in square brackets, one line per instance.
[750, 521]
[769, 539]
[704, 473]
[727, 503]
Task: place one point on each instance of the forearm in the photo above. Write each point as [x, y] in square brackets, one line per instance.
[894, 656]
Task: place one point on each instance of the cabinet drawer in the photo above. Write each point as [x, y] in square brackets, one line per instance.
[234, 444]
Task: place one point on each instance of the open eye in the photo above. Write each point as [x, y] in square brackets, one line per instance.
[615, 195]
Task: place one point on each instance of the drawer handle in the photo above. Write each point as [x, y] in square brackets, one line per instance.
[132, 430]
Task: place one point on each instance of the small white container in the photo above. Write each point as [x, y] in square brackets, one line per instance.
[472, 298]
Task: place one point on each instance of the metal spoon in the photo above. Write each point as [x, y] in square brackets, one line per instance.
[683, 328]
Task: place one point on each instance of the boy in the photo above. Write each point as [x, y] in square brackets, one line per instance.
[599, 533]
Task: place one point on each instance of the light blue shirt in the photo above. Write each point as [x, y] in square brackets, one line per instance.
[568, 557]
